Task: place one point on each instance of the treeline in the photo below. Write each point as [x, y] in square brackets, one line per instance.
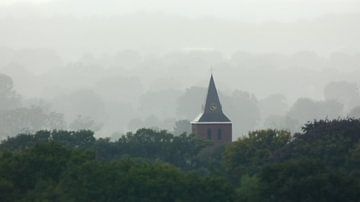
[98, 110]
[322, 163]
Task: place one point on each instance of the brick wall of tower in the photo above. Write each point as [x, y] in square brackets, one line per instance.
[217, 132]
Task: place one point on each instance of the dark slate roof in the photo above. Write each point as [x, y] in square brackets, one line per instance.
[213, 110]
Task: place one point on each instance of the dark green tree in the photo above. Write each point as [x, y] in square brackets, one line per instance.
[248, 154]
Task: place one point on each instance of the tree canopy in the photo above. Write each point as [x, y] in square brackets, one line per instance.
[322, 163]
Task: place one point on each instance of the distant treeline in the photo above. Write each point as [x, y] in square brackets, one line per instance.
[322, 163]
[110, 102]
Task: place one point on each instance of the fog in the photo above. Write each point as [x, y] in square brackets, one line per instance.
[114, 66]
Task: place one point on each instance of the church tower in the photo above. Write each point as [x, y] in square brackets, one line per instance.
[212, 123]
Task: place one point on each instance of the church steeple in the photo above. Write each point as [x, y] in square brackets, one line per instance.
[212, 124]
[212, 102]
[213, 109]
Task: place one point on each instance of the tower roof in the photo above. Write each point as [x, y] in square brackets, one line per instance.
[213, 109]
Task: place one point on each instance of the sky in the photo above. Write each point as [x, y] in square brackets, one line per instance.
[69, 52]
[245, 10]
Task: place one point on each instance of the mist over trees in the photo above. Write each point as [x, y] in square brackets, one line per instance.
[121, 92]
[118, 71]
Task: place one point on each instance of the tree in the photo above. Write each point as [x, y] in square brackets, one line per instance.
[281, 123]
[329, 141]
[305, 110]
[307, 180]
[242, 108]
[189, 104]
[273, 105]
[249, 154]
[53, 172]
[344, 92]
[249, 189]
[8, 97]
[135, 124]
[355, 113]
[154, 102]
[321, 163]
[42, 163]
[31, 119]
[84, 102]
[182, 126]
[75, 139]
[181, 150]
[81, 123]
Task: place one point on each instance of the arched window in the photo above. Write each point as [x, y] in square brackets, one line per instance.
[219, 134]
[209, 133]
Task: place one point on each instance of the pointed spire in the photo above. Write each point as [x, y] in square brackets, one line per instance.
[213, 110]
[212, 103]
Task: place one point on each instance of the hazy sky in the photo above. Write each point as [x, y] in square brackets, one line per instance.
[101, 47]
[246, 10]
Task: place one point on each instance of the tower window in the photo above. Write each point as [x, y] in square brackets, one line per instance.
[219, 134]
[209, 133]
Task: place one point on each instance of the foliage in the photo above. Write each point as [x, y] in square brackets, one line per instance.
[324, 140]
[307, 180]
[319, 164]
[51, 172]
[182, 126]
[28, 120]
[76, 139]
[248, 154]
[249, 189]
[305, 109]
[322, 163]
[179, 150]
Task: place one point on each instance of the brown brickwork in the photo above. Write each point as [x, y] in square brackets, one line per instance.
[217, 132]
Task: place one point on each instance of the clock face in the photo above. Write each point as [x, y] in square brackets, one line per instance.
[213, 107]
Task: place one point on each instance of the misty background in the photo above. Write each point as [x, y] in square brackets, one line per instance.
[114, 66]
